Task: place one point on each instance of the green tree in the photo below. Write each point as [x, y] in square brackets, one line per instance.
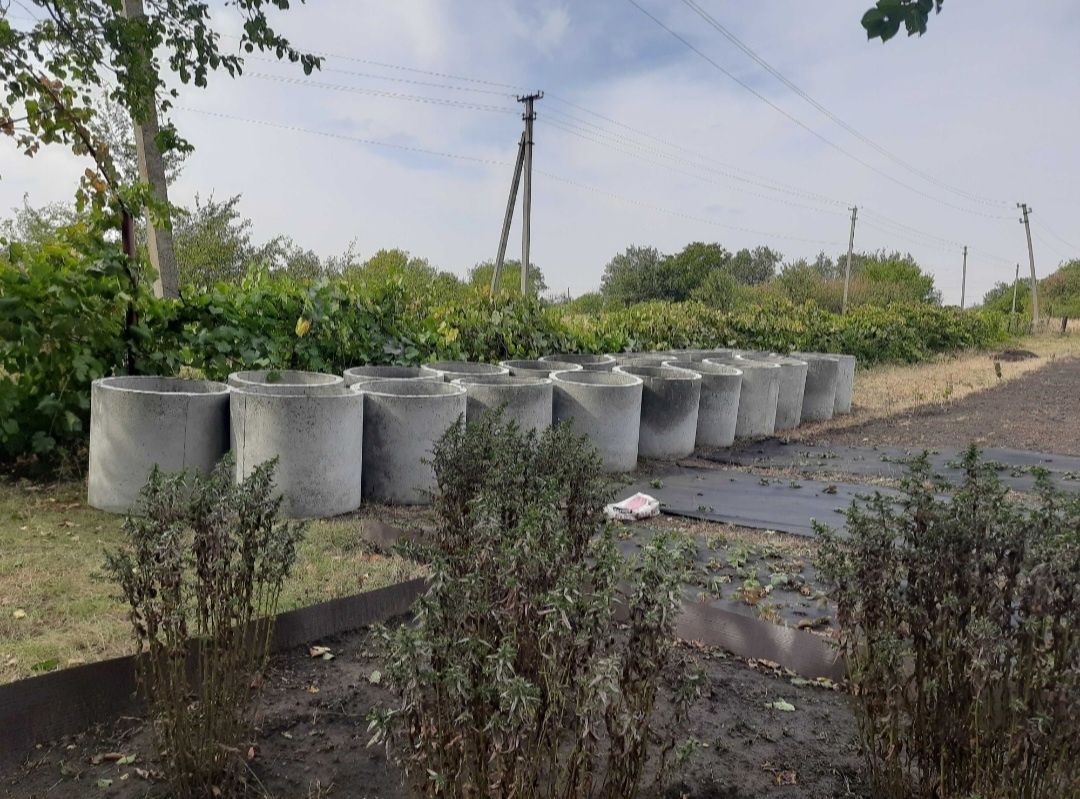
[631, 276]
[1060, 292]
[903, 276]
[884, 19]
[214, 243]
[681, 274]
[719, 290]
[112, 126]
[999, 298]
[509, 278]
[801, 281]
[52, 70]
[395, 265]
[29, 225]
[751, 267]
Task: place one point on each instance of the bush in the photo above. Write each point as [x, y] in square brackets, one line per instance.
[960, 622]
[514, 668]
[63, 323]
[69, 314]
[202, 578]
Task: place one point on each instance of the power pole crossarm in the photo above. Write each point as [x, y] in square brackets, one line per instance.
[152, 171]
[1031, 260]
[850, 247]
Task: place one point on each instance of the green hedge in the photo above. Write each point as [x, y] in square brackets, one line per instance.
[64, 322]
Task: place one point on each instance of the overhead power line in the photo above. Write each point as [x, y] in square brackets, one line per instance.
[415, 98]
[494, 162]
[698, 161]
[699, 174]
[796, 121]
[1071, 246]
[602, 136]
[758, 59]
[344, 137]
[399, 67]
[794, 190]
[1051, 245]
[392, 79]
[612, 195]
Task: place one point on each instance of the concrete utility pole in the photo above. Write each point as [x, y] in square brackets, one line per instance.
[526, 200]
[523, 164]
[1031, 259]
[963, 280]
[509, 216]
[152, 171]
[850, 247]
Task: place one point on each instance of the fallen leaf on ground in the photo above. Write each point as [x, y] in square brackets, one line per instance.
[19, 614]
[321, 652]
[781, 704]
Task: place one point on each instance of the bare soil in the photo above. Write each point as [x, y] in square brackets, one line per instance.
[1037, 411]
[313, 733]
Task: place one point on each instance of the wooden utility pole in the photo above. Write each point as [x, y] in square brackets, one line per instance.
[850, 247]
[1031, 259]
[963, 280]
[523, 164]
[152, 171]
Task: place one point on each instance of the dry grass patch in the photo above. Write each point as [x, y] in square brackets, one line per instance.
[57, 607]
[887, 390]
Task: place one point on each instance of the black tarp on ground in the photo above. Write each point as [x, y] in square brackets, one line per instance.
[765, 503]
[888, 462]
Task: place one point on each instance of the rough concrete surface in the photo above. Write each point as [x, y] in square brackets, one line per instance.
[402, 421]
[845, 384]
[718, 410]
[137, 423]
[792, 387]
[451, 370]
[287, 381]
[538, 368]
[318, 440]
[363, 374]
[524, 400]
[822, 376]
[587, 361]
[606, 407]
[669, 410]
[758, 395]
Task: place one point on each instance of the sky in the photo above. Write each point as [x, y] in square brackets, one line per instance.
[642, 138]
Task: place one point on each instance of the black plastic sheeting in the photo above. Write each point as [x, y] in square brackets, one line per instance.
[765, 503]
[889, 462]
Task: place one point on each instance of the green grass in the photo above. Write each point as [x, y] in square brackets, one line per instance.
[58, 608]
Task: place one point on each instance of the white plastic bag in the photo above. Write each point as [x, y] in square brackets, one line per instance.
[639, 506]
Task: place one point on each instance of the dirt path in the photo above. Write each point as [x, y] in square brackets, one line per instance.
[313, 734]
[1039, 411]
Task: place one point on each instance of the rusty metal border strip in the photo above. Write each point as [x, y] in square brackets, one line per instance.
[805, 653]
[39, 709]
